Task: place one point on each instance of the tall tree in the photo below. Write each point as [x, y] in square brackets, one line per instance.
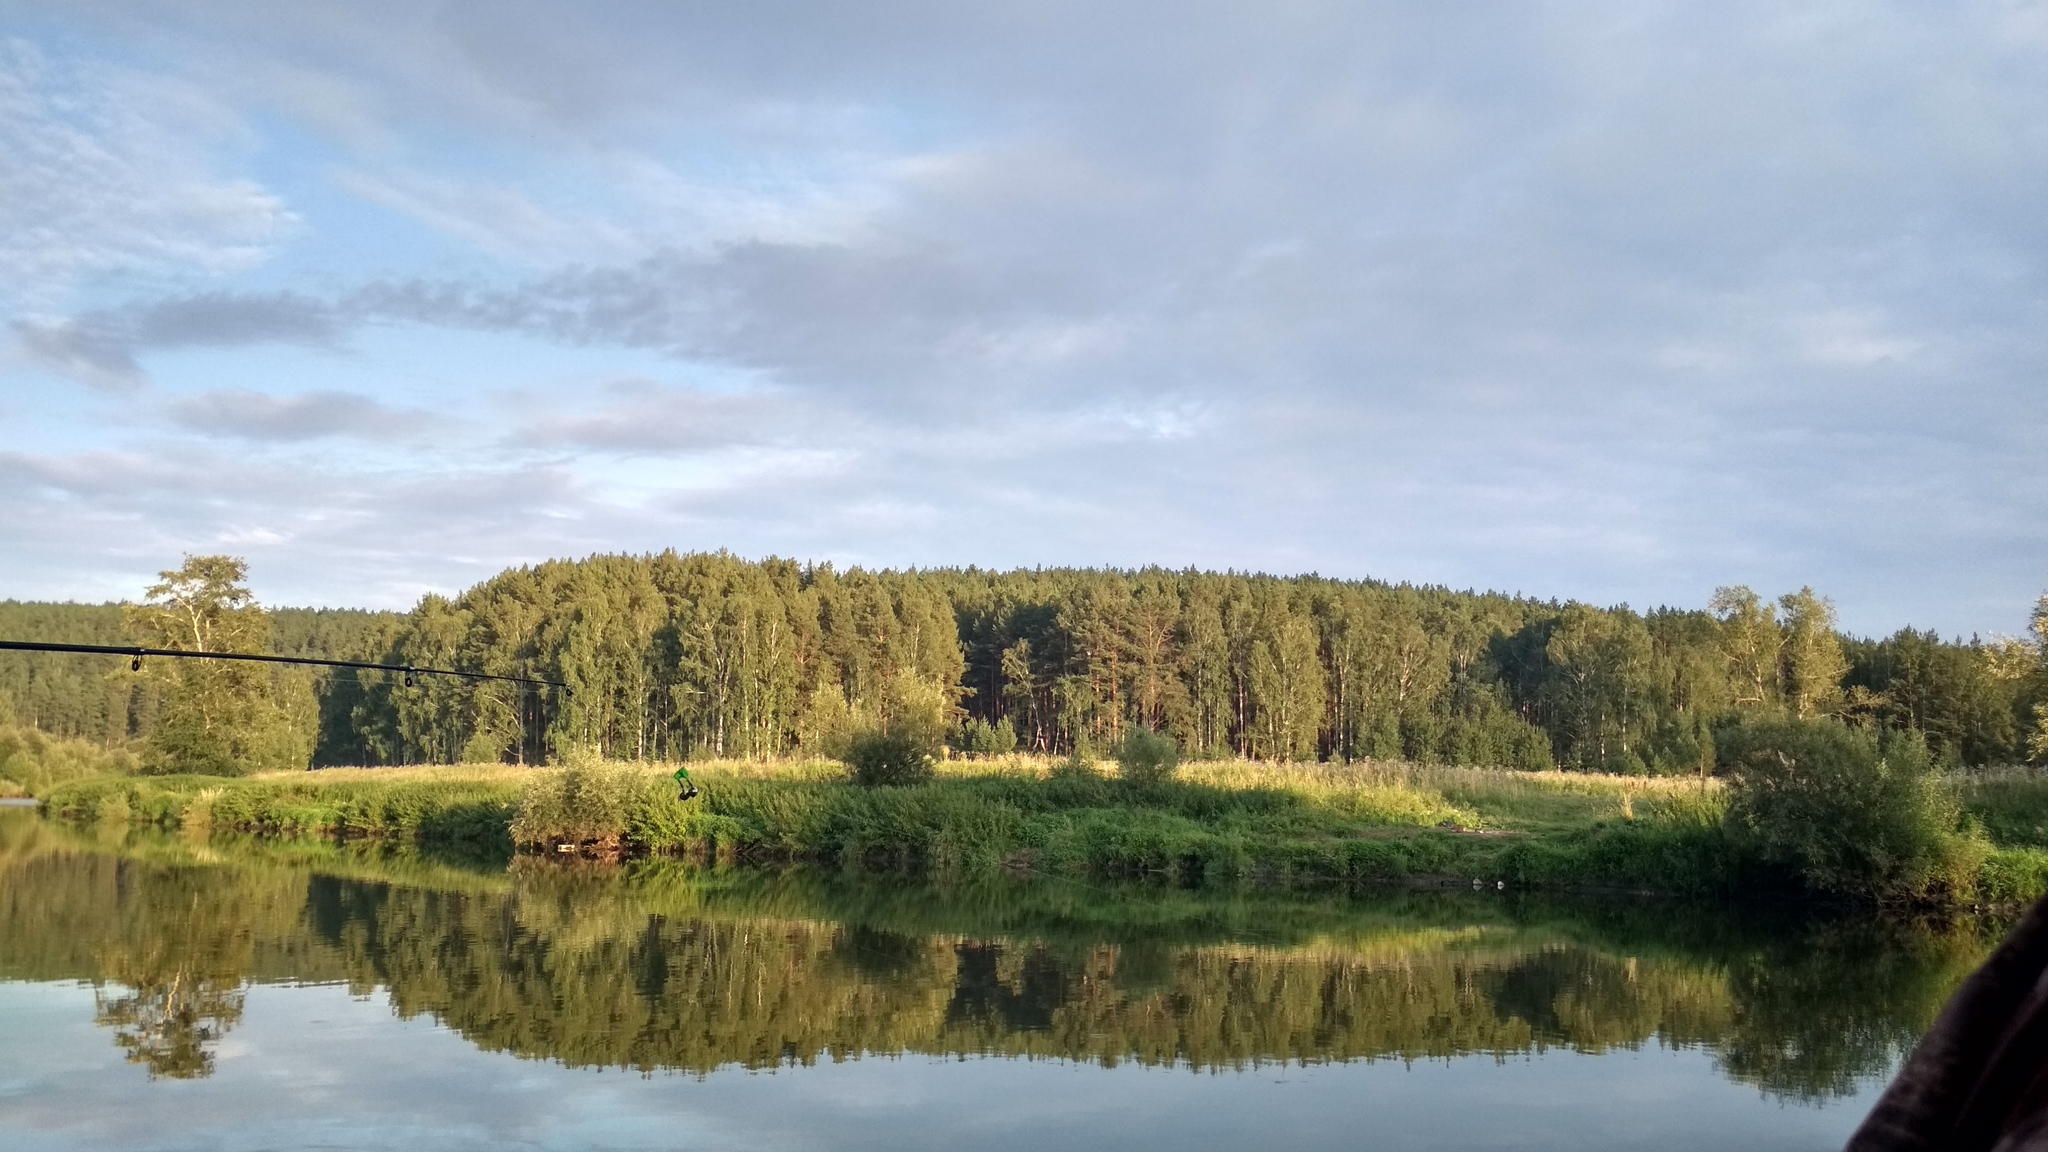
[217, 717]
[1812, 654]
[1750, 641]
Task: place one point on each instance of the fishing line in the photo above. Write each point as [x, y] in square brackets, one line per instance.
[136, 655]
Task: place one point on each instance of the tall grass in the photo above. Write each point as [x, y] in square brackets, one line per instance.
[1226, 820]
[1219, 821]
[456, 804]
[2010, 804]
[587, 803]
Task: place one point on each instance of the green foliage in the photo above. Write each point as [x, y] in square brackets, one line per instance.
[1850, 812]
[1974, 702]
[894, 757]
[33, 762]
[1218, 822]
[439, 807]
[78, 697]
[2010, 804]
[977, 737]
[217, 717]
[587, 801]
[1147, 757]
[675, 657]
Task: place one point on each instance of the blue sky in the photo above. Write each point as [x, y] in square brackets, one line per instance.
[1614, 303]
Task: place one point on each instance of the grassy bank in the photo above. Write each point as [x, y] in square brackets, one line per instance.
[438, 805]
[1221, 822]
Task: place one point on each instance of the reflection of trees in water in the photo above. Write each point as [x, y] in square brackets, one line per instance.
[168, 1026]
[180, 965]
[597, 980]
[594, 969]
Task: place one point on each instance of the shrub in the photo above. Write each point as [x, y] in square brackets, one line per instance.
[889, 758]
[1147, 757]
[34, 762]
[1850, 811]
[1077, 765]
[588, 800]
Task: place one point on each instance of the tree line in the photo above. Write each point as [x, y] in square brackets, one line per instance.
[673, 656]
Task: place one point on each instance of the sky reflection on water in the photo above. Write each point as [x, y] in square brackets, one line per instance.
[313, 1066]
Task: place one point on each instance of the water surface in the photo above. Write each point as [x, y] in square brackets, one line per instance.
[163, 992]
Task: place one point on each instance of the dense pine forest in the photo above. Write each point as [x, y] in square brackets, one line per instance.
[676, 656]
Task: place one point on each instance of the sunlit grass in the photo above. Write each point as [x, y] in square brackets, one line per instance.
[1385, 792]
[1219, 820]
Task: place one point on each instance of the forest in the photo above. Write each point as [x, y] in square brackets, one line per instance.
[679, 656]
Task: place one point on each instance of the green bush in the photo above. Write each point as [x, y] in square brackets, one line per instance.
[1147, 757]
[889, 758]
[1849, 811]
[586, 801]
[33, 762]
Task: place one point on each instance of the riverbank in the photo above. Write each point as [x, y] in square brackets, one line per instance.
[1222, 822]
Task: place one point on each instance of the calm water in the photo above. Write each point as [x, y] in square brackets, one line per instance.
[165, 992]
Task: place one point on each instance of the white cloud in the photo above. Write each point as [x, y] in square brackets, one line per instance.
[108, 172]
[1615, 302]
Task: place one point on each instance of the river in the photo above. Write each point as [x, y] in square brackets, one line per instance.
[162, 991]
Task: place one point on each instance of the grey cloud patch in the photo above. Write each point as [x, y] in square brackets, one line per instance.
[220, 319]
[875, 319]
[645, 417]
[86, 352]
[843, 307]
[401, 534]
[101, 347]
[256, 416]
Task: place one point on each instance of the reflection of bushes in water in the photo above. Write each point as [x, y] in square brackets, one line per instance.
[1842, 1001]
[660, 967]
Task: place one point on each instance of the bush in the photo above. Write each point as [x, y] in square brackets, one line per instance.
[1147, 757]
[1850, 811]
[34, 762]
[889, 758]
[1078, 765]
[587, 801]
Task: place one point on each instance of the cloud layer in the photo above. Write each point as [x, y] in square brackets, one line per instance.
[1617, 303]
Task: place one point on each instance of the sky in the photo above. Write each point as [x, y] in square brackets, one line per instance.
[1605, 302]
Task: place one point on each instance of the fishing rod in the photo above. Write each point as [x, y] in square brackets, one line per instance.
[136, 654]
